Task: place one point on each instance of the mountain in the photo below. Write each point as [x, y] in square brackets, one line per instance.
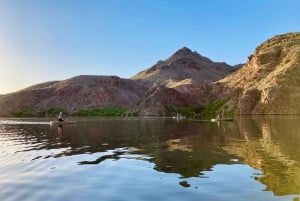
[183, 64]
[269, 82]
[80, 92]
[180, 80]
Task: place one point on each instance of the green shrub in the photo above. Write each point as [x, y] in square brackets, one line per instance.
[185, 111]
[113, 112]
[56, 110]
[23, 112]
[213, 108]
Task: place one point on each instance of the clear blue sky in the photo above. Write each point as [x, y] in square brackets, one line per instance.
[45, 40]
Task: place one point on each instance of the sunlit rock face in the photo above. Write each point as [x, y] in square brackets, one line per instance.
[269, 82]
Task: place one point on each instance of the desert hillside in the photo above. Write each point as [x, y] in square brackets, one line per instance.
[269, 82]
[71, 95]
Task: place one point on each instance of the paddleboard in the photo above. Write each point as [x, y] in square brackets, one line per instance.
[225, 119]
[62, 122]
[16, 122]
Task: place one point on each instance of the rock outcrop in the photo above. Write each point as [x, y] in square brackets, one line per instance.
[269, 82]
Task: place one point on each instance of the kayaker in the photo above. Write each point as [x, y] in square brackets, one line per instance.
[60, 117]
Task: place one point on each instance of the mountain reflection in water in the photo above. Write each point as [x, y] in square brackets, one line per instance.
[189, 148]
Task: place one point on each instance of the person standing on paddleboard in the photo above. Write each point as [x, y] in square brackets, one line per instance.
[60, 117]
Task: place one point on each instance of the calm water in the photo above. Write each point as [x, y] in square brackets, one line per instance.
[253, 158]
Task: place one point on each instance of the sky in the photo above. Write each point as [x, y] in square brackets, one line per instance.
[46, 40]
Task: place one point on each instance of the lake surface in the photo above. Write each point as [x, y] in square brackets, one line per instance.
[252, 158]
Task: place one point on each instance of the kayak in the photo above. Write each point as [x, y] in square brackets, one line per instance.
[223, 119]
[62, 122]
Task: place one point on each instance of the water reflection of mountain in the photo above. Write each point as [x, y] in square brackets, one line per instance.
[270, 144]
[186, 148]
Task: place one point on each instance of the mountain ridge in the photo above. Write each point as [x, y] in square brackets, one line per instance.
[266, 84]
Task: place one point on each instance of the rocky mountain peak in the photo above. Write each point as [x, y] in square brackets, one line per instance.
[187, 54]
[184, 64]
[183, 51]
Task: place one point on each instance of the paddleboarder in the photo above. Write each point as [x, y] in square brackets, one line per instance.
[60, 117]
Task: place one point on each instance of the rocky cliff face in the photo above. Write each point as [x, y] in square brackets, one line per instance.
[269, 82]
